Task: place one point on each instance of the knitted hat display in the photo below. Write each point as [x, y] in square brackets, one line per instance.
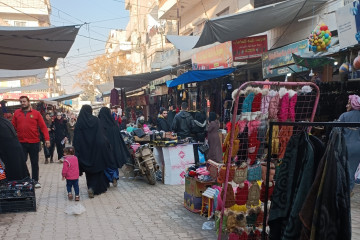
[292, 104]
[241, 219]
[230, 197]
[251, 217]
[283, 105]
[259, 216]
[243, 236]
[256, 104]
[240, 173]
[253, 147]
[265, 101]
[262, 191]
[222, 174]
[254, 195]
[247, 104]
[285, 134]
[234, 236]
[242, 193]
[231, 222]
[274, 107]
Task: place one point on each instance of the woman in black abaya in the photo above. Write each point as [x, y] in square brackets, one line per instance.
[119, 151]
[11, 152]
[93, 151]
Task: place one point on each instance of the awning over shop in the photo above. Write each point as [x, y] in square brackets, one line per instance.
[6, 75]
[132, 82]
[34, 87]
[34, 48]
[63, 97]
[244, 24]
[313, 62]
[200, 75]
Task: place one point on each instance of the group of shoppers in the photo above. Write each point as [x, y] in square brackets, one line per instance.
[99, 148]
[198, 127]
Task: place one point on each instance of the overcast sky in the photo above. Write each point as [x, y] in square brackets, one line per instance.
[96, 12]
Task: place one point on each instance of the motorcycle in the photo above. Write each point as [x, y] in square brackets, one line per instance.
[142, 159]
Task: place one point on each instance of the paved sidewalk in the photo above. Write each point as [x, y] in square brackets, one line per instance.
[133, 210]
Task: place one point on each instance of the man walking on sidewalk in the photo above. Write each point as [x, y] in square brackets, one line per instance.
[27, 122]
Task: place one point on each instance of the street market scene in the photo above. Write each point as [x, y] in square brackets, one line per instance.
[179, 119]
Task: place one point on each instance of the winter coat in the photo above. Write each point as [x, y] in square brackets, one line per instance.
[199, 129]
[61, 130]
[215, 152]
[163, 124]
[70, 167]
[183, 124]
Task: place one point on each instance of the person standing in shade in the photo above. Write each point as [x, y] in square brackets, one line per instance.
[352, 136]
[183, 122]
[171, 115]
[93, 151]
[215, 151]
[61, 134]
[119, 150]
[162, 123]
[27, 122]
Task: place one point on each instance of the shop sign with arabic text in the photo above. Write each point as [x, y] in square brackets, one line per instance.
[272, 61]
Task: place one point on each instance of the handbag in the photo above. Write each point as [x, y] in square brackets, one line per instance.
[204, 148]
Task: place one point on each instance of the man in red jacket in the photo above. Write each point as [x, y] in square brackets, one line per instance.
[27, 122]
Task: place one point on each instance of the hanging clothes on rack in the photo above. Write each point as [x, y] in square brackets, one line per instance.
[326, 211]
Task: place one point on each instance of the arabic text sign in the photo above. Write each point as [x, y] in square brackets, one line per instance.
[346, 25]
[219, 56]
[273, 60]
[248, 48]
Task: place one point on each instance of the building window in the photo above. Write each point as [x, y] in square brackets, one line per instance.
[223, 12]
[19, 24]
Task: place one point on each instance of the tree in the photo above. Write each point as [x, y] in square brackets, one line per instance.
[101, 70]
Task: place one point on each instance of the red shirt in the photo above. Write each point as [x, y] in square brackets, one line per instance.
[27, 126]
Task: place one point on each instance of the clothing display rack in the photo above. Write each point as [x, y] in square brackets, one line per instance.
[255, 105]
[305, 126]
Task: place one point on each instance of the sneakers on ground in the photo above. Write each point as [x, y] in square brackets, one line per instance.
[37, 185]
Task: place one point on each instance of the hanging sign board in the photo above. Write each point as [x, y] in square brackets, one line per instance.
[272, 61]
[219, 56]
[249, 48]
[348, 25]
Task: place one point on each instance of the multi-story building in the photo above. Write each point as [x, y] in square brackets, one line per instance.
[30, 13]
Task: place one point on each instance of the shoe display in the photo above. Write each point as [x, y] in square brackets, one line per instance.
[37, 185]
[91, 193]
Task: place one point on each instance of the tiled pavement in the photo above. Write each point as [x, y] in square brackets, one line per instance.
[133, 210]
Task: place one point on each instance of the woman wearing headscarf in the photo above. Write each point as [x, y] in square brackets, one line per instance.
[11, 153]
[119, 151]
[215, 151]
[49, 151]
[61, 134]
[352, 136]
[93, 151]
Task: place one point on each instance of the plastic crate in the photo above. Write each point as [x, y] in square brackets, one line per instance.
[18, 205]
[17, 196]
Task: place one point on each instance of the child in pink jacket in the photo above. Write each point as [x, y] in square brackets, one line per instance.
[70, 172]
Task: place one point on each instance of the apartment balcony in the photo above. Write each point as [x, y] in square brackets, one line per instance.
[168, 8]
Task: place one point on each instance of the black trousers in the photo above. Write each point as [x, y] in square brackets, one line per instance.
[60, 149]
[32, 149]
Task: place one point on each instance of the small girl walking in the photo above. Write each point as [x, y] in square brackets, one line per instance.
[70, 172]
